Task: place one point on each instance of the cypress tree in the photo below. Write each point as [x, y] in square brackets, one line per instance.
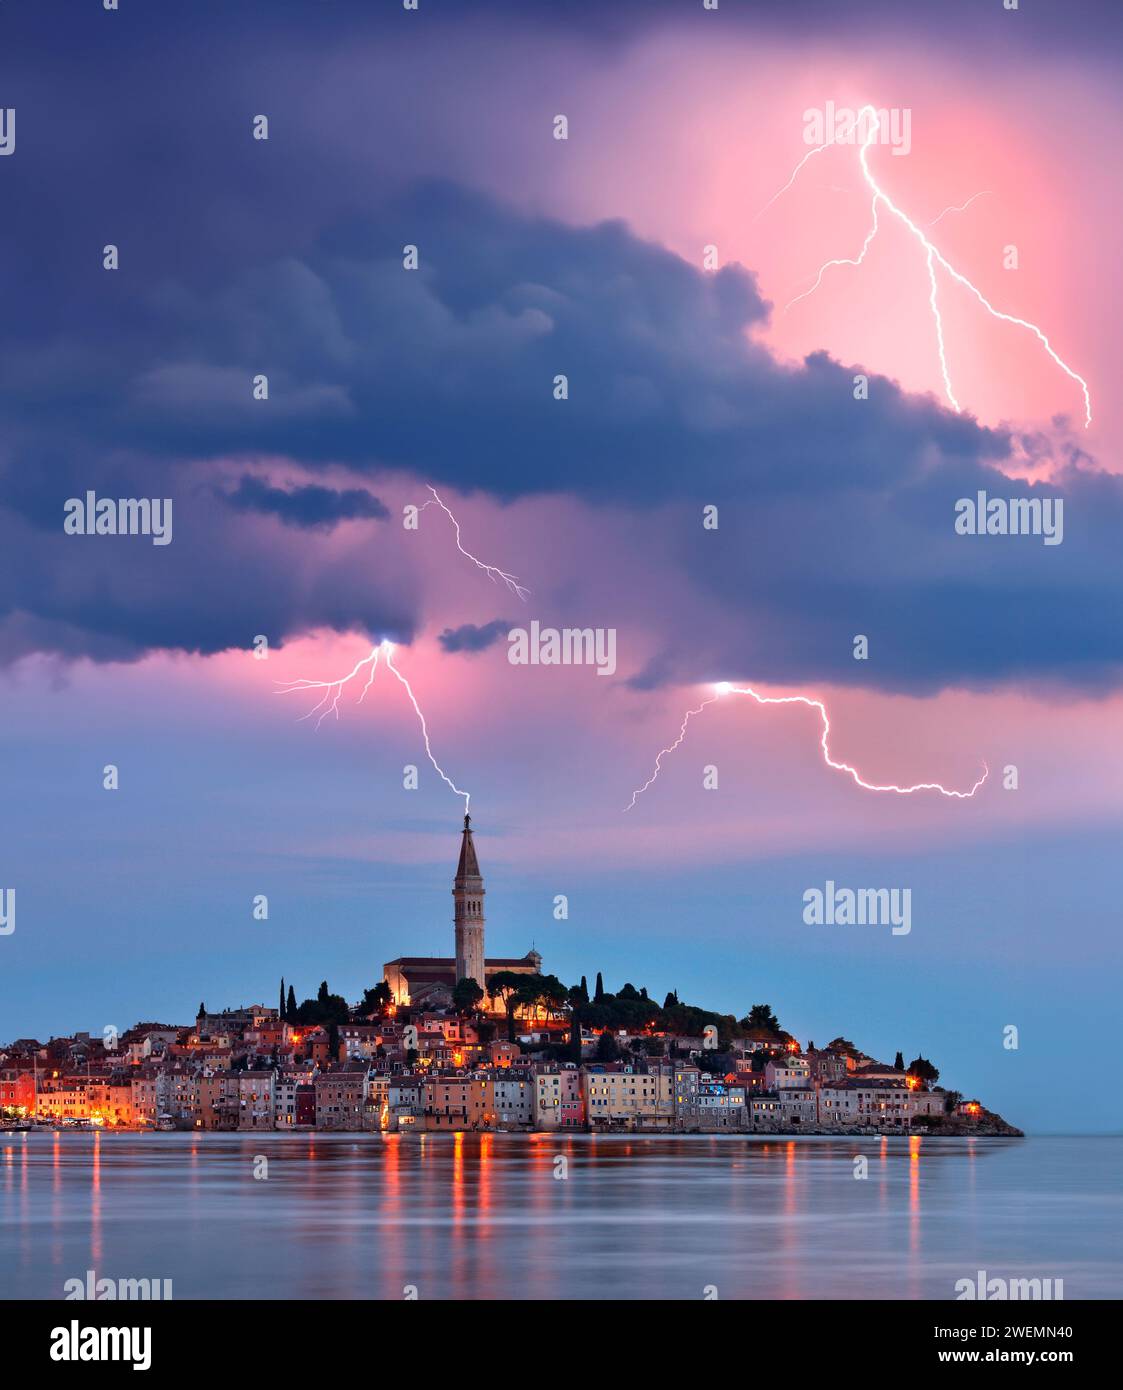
[599, 995]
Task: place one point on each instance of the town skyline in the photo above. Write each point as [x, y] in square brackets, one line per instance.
[470, 1041]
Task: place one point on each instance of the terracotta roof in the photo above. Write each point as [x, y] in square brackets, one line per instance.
[441, 963]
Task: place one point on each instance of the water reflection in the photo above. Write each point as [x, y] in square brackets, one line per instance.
[496, 1216]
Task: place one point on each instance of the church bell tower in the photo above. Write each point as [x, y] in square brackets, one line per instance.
[468, 900]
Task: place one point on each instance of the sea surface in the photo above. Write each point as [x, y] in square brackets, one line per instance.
[502, 1216]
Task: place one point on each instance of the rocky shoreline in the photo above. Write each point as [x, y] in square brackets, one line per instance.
[953, 1126]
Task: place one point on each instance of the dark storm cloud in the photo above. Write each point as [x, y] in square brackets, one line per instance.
[664, 668]
[470, 638]
[309, 507]
[1048, 25]
[376, 365]
[284, 259]
[222, 580]
[785, 592]
[836, 513]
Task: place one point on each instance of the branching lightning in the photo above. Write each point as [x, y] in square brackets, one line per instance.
[492, 571]
[724, 688]
[933, 257]
[817, 150]
[333, 692]
[333, 689]
[856, 260]
[961, 207]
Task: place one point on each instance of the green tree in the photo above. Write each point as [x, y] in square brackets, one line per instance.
[376, 999]
[281, 1008]
[505, 985]
[951, 1100]
[608, 1049]
[544, 992]
[323, 1009]
[923, 1070]
[578, 1009]
[290, 1006]
[598, 995]
[466, 996]
[761, 1016]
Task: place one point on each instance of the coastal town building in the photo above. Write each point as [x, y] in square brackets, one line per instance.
[340, 1095]
[630, 1095]
[883, 1103]
[558, 1100]
[512, 1098]
[799, 1107]
[256, 1099]
[786, 1071]
[406, 1059]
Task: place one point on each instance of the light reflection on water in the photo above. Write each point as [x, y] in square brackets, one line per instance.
[483, 1215]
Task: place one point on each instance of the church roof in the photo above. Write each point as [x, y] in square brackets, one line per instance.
[469, 866]
[408, 964]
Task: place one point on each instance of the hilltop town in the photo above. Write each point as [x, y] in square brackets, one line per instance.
[467, 1043]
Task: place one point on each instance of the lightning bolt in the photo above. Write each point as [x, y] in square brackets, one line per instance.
[962, 207]
[328, 704]
[724, 688]
[933, 258]
[333, 692]
[857, 260]
[492, 571]
[817, 150]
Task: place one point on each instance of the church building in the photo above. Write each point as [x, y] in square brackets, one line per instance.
[428, 981]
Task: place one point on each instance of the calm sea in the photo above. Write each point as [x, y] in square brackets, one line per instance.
[500, 1216]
